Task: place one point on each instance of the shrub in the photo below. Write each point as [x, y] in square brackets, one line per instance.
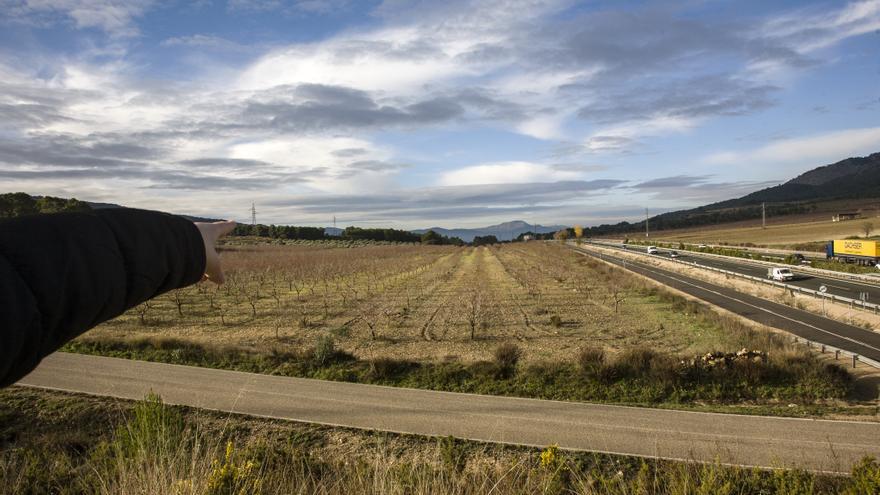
[325, 349]
[233, 476]
[506, 358]
[865, 477]
[155, 429]
[637, 360]
[453, 453]
[556, 321]
[591, 359]
[384, 368]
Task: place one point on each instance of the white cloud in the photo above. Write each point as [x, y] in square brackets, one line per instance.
[814, 29]
[543, 127]
[392, 60]
[115, 17]
[506, 173]
[202, 41]
[808, 149]
[325, 170]
[621, 136]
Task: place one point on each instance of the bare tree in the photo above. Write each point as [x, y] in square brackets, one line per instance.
[867, 228]
[252, 296]
[618, 296]
[474, 308]
[370, 316]
[178, 297]
[142, 310]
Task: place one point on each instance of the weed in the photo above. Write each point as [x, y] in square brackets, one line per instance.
[591, 359]
[506, 358]
[325, 349]
[232, 476]
[453, 453]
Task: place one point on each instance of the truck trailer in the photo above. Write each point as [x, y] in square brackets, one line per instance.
[854, 251]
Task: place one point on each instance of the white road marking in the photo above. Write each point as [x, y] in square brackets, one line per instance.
[854, 341]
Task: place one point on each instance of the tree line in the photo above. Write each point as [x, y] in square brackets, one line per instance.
[19, 204]
[349, 234]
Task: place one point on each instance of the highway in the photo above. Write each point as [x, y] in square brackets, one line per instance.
[731, 439]
[844, 288]
[798, 322]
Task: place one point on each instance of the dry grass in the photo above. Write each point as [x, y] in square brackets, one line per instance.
[782, 235]
[148, 447]
[422, 303]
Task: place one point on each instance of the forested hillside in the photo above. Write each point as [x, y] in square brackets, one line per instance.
[19, 203]
[852, 178]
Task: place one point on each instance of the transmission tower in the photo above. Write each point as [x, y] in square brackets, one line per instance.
[763, 215]
[253, 214]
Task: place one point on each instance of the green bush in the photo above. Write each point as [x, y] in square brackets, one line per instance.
[155, 429]
[506, 358]
[865, 477]
[591, 359]
[453, 453]
[325, 349]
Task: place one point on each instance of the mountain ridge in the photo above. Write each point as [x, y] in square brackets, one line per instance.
[850, 178]
[504, 231]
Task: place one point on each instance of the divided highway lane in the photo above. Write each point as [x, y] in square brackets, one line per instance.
[838, 287]
[798, 322]
[731, 439]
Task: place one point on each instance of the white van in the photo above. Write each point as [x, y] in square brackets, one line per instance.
[780, 274]
[653, 250]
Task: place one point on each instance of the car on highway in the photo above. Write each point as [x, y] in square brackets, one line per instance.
[673, 254]
[702, 246]
[780, 274]
[653, 250]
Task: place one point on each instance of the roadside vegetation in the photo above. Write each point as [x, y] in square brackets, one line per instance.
[51, 442]
[790, 382]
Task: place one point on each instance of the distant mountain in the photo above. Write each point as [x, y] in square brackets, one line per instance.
[852, 178]
[504, 231]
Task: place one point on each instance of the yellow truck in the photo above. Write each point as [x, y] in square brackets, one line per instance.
[854, 251]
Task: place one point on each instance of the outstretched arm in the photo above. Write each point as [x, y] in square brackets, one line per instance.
[62, 274]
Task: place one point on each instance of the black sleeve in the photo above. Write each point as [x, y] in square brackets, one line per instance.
[62, 274]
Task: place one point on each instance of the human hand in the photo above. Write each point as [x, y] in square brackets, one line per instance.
[210, 233]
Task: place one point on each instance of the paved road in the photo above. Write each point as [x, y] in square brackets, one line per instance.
[798, 322]
[745, 440]
[836, 286]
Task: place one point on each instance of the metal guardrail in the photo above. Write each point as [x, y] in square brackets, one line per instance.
[875, 308]
[853, 357]
[806, 269]
[856, 358]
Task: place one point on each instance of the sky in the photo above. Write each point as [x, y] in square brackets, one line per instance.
[419, 113]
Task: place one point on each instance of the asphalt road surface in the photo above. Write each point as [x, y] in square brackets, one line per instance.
[836, 286]
[798, 322]
[735, 439]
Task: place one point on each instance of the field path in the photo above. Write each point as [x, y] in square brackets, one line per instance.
[734, 439]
